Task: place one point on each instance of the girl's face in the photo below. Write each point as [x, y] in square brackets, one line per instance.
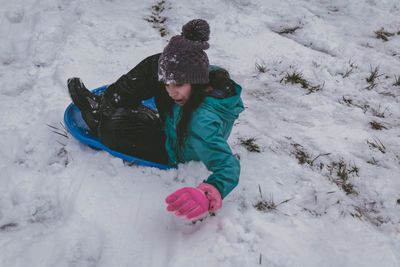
[180, 93]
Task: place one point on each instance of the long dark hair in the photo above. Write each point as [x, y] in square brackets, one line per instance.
[196, 98]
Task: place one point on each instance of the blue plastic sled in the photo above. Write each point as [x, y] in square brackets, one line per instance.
[78, 129]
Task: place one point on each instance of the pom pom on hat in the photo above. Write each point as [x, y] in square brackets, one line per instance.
[183, 59]
[196, 30]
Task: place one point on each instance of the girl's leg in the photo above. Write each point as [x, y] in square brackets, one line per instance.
[136, 132]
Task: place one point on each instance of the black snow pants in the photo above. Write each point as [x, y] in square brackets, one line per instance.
[134, 131]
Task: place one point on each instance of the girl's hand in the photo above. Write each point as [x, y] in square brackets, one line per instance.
[194, 202]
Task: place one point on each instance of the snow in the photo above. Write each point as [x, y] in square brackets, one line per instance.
[64, 204]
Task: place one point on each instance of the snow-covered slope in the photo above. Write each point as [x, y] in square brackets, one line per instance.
[323, 190]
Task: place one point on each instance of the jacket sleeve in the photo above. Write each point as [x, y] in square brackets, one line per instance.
[138, 84]
[214, 151]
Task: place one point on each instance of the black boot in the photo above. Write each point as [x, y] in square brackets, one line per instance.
[87, 102]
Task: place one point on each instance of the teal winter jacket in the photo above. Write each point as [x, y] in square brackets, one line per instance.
[208, 131]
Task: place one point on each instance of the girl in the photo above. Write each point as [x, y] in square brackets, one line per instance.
[197, 105]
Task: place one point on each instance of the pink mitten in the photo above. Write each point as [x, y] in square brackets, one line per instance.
[194, 202]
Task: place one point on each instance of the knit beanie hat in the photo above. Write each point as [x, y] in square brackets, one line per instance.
[183, 59]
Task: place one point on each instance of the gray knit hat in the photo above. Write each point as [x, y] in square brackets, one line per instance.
[183, 59]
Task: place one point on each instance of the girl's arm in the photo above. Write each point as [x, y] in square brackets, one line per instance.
[214, 151]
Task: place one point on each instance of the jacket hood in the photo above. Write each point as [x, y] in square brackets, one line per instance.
[229, 108]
